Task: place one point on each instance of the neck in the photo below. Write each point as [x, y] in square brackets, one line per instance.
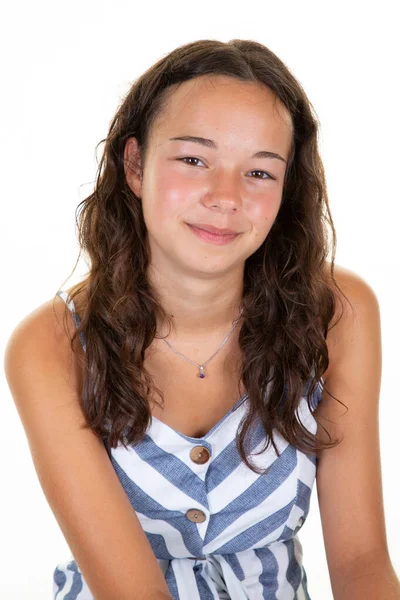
[198, 309]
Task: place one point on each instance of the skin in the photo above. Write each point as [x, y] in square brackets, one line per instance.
[199, 283]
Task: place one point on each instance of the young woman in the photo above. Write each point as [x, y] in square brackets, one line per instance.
[213, 362]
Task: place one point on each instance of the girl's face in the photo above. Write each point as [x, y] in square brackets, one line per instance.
[220, 179]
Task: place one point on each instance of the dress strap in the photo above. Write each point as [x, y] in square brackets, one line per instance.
[70, 303]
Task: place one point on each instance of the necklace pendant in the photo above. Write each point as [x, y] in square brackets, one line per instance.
[202, 375]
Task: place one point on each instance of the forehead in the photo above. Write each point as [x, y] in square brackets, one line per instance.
[221, 103]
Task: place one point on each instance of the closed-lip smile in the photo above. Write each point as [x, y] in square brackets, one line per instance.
[212, 229]
[213, 235]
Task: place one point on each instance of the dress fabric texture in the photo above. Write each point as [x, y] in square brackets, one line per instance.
[247, 547]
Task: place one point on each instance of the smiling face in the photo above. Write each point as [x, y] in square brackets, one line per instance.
[227, 180]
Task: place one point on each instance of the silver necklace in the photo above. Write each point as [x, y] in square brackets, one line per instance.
[201, 367]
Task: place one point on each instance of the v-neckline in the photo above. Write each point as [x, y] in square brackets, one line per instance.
[204, 437]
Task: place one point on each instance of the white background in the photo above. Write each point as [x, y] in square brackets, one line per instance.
[65, 68]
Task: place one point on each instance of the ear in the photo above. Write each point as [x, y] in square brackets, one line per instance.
[132, 166]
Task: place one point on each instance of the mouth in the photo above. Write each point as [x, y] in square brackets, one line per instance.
[212, 229]
[214, 238]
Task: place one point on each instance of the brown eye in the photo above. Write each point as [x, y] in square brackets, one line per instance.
[264, 172]
[189, 158]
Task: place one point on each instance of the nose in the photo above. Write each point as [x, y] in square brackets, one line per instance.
[223, 193]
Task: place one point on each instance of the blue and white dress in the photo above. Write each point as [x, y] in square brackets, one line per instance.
[217, 529]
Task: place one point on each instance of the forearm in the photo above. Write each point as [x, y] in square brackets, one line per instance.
[375, 581]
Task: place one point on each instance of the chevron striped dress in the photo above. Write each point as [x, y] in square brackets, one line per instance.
[217, 529]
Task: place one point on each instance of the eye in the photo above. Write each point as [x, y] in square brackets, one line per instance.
[189, 158]
[264, 172]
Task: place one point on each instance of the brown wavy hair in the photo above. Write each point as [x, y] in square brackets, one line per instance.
[287, 302]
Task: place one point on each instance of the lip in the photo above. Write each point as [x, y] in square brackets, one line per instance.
[212, 229]
[213, 238]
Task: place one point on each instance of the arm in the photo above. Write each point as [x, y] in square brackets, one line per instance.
[349, 483]
[371, 576]
[87, 499]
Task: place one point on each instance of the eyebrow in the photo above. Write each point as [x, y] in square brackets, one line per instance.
[212, 144]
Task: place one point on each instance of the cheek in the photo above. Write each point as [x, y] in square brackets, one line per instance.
[172, 195]
[263, 214]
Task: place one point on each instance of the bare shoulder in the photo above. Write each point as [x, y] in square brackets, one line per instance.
[355, 300]
[46, 333]
[351, 284]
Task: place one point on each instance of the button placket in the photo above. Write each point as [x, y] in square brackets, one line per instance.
[200, 455]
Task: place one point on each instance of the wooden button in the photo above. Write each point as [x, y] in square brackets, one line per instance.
[199, 455]
[195, 515]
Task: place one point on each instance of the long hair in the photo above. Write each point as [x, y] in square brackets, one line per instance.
[287, 302]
